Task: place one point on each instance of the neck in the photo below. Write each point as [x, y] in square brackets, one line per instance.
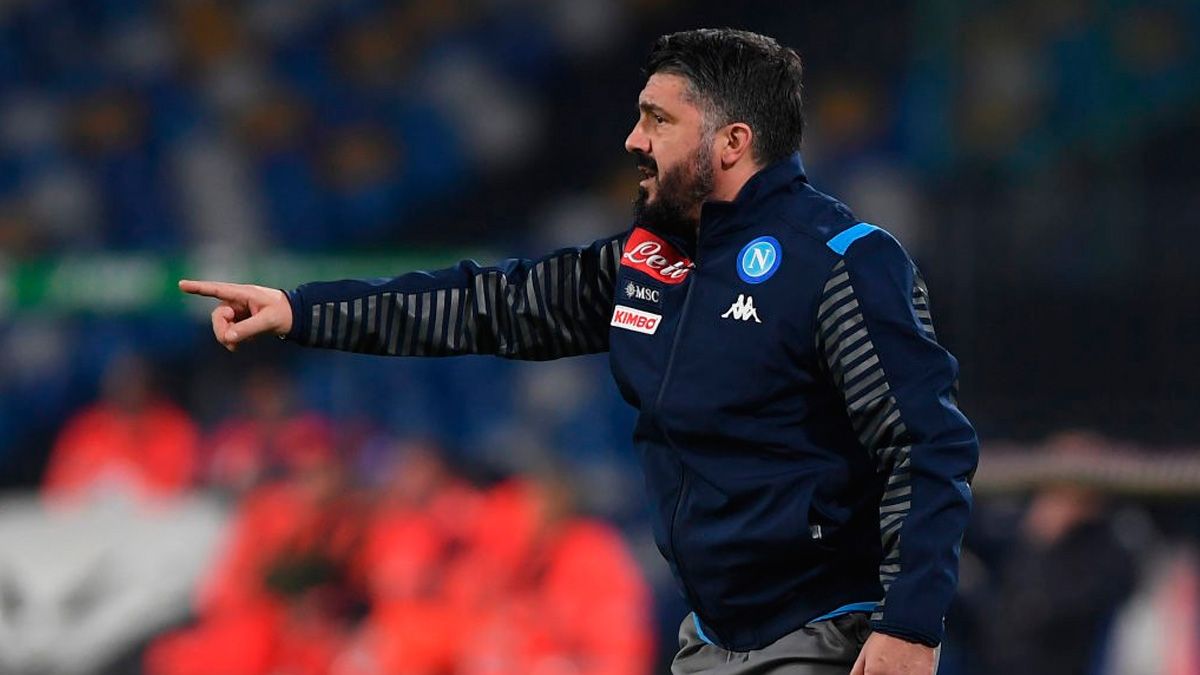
[729, 182]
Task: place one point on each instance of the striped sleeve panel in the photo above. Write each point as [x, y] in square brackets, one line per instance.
[548, 308]
[854, 365]
[920, 298]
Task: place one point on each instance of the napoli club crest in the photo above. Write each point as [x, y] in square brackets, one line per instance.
[759, 259]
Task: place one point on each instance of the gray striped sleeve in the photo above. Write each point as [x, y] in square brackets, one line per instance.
[372, 314]
[315, 324]
[385, 322]
[328, 318]
[439, 320]
[401, 319]
[356, 324]
[920, 297]
[343, 323]
[848, 353]
[555, 306]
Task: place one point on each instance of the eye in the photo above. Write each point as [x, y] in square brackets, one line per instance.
[659, 119]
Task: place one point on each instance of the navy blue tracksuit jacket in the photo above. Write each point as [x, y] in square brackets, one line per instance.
[802, 447]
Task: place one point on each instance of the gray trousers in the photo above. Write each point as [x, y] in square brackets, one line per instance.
[823, 648]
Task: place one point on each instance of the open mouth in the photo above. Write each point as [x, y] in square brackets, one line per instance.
[645, 165]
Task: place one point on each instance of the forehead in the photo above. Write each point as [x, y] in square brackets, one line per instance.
[669, 92]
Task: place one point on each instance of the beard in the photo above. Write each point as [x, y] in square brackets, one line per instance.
[681, 191]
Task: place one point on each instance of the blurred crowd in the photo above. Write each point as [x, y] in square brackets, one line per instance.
[147, 125]
[328, 565]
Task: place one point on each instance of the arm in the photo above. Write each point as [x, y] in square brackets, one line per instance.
[558, 305]
[877, 338]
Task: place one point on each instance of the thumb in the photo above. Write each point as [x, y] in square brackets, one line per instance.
[860, 664]
[257, 324]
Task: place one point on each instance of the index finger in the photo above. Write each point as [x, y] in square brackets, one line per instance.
[220, 290]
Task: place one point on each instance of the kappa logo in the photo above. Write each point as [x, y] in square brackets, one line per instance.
[638, 292]
[635, 320]
[650, 254]
[742, 310]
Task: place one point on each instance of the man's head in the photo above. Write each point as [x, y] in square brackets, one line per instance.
[718, 105]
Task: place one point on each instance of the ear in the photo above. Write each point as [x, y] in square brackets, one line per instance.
[733, 143]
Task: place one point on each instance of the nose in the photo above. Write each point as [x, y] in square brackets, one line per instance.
[637, 141]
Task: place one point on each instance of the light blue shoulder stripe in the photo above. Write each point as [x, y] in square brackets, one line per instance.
[843, 239]
[700, 631]
[866, 607]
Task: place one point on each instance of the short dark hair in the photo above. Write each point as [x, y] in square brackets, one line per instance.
[739, 76]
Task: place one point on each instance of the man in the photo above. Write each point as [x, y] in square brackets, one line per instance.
[133, 442]
[807, 465]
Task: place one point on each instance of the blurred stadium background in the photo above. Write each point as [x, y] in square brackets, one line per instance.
[170, 508]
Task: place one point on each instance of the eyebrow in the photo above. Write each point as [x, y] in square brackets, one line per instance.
[651, 108]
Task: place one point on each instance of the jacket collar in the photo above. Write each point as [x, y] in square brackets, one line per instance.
[723, 216]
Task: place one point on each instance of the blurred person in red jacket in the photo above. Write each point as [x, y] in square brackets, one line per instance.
[132, 441]
[267, 435]
[278, 598]
[423, 521]
[556, 593]
[535, 591]
[425, 516]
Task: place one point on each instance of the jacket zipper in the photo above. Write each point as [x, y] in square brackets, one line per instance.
[662, 389]
[687, 301]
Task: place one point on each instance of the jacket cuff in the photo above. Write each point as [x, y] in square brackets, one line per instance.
[300, 318]
[906, 633]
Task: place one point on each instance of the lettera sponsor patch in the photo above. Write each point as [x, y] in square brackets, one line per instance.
[635, 319]
[653, 255]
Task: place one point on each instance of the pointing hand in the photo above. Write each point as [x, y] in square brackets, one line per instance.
[245, 311]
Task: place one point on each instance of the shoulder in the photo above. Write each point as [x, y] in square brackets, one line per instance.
[866, 243]
[873, 260]
[835, 235]
[807, 213]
